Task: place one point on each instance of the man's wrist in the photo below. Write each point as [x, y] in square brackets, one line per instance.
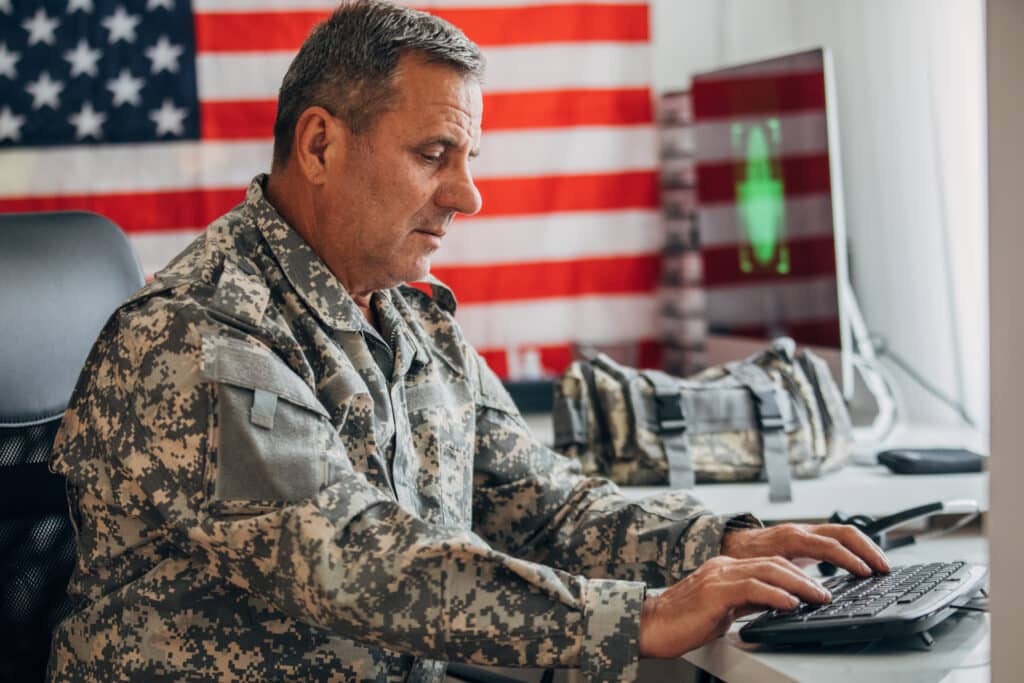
[735, 528]
[611, 630]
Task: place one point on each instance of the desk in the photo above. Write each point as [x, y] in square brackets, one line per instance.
[854, 489]
[960, 653]
[961, 650]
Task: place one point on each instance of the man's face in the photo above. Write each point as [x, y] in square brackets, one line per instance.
[391, 195]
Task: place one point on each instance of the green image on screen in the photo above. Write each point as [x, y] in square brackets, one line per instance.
[760, 198]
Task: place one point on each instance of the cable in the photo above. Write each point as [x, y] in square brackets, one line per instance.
[883, 350]
[968, 608]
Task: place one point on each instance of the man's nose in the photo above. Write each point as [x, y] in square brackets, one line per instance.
[459, 193]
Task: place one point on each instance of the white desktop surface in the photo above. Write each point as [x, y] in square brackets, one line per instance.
[960, 653]
[854, 489]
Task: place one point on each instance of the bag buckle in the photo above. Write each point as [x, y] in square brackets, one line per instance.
[669, 408]
[769, 416]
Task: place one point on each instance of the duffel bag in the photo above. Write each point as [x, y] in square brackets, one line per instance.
[775, 415]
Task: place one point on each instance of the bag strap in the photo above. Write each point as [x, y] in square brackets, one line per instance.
[668, 404]
[570, 422]
[604, 434]
[772, 428]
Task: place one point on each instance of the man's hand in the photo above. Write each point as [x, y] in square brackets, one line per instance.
[842, 545]
[754, 572]
[702, 606]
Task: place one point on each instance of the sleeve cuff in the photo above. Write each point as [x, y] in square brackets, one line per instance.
[611, 630]
[703, 540]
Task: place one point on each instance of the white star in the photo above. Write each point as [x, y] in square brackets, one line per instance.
[166, 4]
[10, 125]
[121, 25]
[164, 55]
[84, 5]
[45, 91]
[125, 88]
[169, 119]
[7, 61]
[83, 59]
[88, 122]
[40, 28]
[5, 7]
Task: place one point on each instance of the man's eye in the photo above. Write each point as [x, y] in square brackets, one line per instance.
[432, 158]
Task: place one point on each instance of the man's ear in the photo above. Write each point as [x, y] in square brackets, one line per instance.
[318, 138]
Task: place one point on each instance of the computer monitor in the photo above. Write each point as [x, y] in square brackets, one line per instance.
[769, 200]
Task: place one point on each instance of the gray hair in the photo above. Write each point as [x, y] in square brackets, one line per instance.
[348, 62]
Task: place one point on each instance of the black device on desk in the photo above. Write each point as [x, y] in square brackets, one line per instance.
[909, 600]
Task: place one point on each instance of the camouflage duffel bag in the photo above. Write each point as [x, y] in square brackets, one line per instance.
[774, 415]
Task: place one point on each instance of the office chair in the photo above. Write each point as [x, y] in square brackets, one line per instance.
[61, 276]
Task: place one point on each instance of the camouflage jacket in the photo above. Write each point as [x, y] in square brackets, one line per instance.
[257, 500]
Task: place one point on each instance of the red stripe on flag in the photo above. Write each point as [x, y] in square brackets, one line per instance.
[815, 332]
[172, 210]
[564, 108]
[801, 175]
[254, 119]
[810, 257]
[238, 119]
[775, 94]
[285, 31]
[594, 192]
[140, 211]
[551, 279]
[556, 357]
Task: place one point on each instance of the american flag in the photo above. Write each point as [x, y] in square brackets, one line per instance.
[157, 113]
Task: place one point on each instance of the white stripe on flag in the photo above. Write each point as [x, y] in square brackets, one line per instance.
[806, 216]
[757, 304]
[257, 76]
[566, 151]
[799, 134]
[155, 249]
[592, 320]
[232, 163]
[551, 237]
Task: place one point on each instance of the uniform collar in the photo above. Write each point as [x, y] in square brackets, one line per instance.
[309, 276]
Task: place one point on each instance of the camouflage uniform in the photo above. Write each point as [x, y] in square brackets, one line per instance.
[266, 489]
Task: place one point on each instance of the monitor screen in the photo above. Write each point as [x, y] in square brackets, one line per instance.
[765, 200]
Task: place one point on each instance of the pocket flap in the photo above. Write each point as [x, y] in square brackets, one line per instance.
[243, 365]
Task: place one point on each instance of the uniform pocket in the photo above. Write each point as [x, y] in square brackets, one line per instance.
[273, 435]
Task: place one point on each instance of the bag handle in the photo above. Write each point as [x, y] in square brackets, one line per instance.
[772, 427]
[668, 404]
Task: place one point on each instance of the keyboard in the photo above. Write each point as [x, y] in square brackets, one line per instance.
[910, 599]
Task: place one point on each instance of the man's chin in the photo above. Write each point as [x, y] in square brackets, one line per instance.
[419, 272]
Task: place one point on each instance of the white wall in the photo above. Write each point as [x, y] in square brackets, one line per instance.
[910, 85]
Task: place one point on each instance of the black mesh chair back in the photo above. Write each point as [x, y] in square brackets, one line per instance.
[61, 276]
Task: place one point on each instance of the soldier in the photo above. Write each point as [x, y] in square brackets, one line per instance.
[285, 464]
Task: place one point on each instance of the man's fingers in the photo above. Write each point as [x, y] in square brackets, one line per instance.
[781, 573]
[858, 543]
[823, 547]
[753, 591]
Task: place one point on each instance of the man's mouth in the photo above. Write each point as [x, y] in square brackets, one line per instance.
[433, 237]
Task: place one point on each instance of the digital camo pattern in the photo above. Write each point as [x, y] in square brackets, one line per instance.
[722, 436]
[266, 489]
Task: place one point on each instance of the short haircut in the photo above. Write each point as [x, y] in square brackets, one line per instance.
[348, 62]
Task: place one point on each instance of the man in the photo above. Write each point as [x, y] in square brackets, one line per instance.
[286, 464]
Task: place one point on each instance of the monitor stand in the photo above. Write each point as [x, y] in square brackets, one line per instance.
[861, 367]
